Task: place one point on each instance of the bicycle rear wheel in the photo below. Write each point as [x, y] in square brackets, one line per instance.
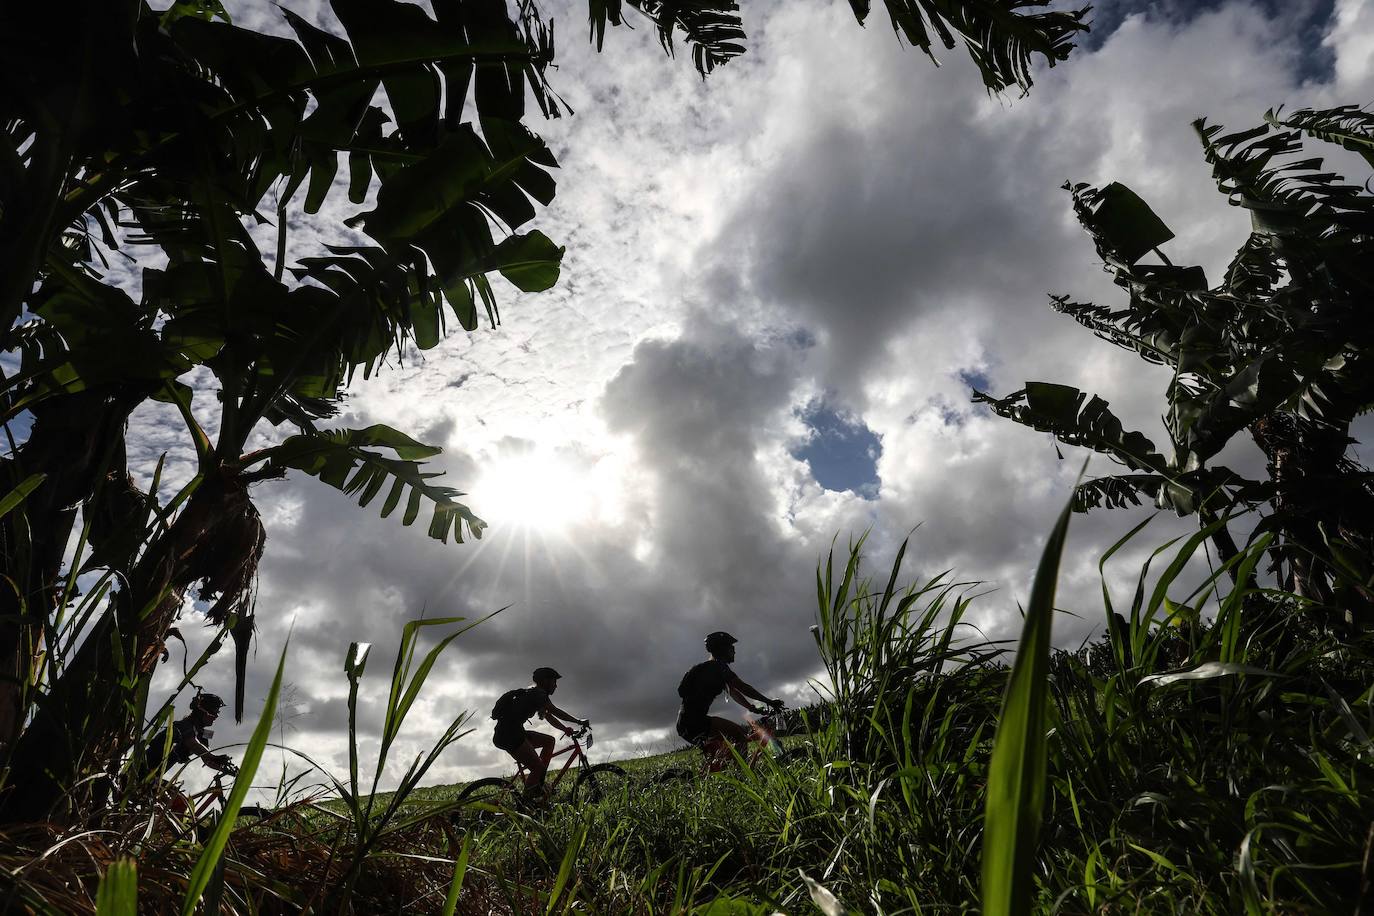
[250, 815]
[599, 782]
[675, 774]
[494, 791]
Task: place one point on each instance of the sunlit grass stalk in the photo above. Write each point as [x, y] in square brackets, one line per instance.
[248, 766]
[1016, 773]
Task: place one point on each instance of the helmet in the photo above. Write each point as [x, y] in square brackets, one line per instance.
[206, 701]
[719, 640]
[544, 674]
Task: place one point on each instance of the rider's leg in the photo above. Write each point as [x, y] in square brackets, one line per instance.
[543, 745]
[528, 757]
[733, 732]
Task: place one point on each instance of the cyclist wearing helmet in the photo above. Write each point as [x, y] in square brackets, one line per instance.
[706, 681]
[532, 749]
[189, 739]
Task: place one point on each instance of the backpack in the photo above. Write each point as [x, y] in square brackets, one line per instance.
[507, 705]
[684, 687]
[704, 681]
[153, 752]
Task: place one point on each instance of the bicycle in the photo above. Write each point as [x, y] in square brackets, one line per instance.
[717, 754]
[593, 782]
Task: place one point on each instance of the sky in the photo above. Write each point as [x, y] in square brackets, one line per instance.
[781, 284]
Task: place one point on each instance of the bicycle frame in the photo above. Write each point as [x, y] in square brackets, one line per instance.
[716, 750]
[208, 796]
[594, 781]
[574, 752]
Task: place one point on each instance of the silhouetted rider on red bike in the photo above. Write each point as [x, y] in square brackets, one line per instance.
[703, 683]
[531, 748]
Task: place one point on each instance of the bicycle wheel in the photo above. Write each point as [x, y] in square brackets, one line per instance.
[674, 774]
[250, 815]
[494, 790]
[599, 782]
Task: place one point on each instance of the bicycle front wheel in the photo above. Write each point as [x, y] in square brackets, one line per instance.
[599, 782]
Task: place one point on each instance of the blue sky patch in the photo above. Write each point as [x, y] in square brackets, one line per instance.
[841, 451]
[974, 378]
[1308, 21]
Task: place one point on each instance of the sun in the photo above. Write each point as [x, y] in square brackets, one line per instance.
[534, 491]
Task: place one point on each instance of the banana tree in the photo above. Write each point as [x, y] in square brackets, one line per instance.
[1280, 349]
[280, 353]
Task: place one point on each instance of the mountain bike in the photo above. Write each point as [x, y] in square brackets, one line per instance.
[763, 743]
[592, 783]
[164, 805]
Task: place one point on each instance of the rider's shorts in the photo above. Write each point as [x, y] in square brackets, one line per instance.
[693, 729]
[509, 735]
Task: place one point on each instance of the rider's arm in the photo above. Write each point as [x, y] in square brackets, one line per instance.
[198, 749]
[743, 700]
[553, 714]
[218, 762]
[742, 692]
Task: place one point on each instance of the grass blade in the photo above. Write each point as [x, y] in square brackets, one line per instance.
[118, 893]
[20, 493]
[566, 867]
[214, 847]
[460, 869]
[1016, 774]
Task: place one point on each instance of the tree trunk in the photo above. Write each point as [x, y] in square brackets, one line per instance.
[1319, 495]
[1225, 544]
[74, 439]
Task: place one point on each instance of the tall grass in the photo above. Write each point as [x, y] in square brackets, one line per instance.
[1210, 753]
[373, 818]
[305, 857]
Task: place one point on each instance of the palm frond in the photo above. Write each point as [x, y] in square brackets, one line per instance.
[711, 30]
[1293, 199]
[344, 459]
[1071, 417]
[1002, 36]
[1148, 332]
[1117, 491]
[1255, 271]
[1122, 225]
[1349, 126]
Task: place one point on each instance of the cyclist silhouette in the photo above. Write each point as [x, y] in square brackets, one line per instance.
[703, 683]
[514, 708]
[190, 738]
